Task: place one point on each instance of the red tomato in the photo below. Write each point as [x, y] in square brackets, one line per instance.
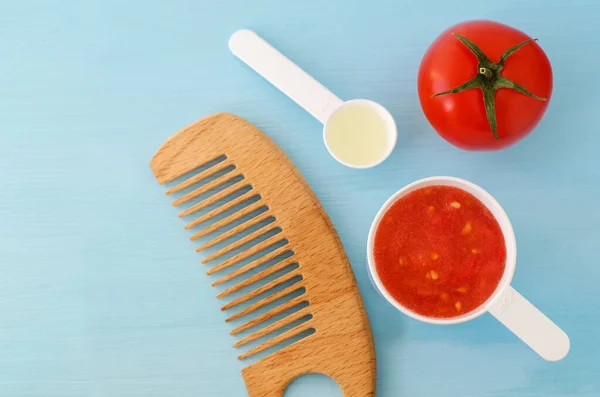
[461, 117]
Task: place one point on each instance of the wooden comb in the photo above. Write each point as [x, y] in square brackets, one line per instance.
[341, 345]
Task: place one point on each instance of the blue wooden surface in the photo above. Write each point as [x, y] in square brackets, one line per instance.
[101, 294]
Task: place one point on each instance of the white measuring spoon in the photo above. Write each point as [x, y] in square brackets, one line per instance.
[506, 304]
[358, 133]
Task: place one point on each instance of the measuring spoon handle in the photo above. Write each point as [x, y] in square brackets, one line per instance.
[530, 325]
[284, 74]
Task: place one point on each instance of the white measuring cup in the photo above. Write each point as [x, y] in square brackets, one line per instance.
[307, 92]
[505, 304]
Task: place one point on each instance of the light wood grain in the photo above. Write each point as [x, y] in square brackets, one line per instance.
[342, 345]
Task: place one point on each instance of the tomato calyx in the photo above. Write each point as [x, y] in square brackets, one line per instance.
[489, 79]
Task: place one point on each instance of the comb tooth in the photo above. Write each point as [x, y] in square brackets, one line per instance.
[271, 313]
[278, 339]
[205, 188]
[238, 243]
[258, 276]
[274, 327]
[247, 253]
[252, 265]
[235, 230]
[165, 174]
[213, 199]
[267, 300]
[221, 209]
[228, 219]
[254, 293]
[202, 175]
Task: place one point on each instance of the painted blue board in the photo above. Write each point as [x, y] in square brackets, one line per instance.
[101, 294]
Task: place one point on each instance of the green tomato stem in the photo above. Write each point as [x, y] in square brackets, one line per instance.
[489, 79]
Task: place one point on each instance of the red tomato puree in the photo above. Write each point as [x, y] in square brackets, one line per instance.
[439, 251]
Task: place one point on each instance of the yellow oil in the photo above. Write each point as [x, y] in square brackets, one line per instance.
[357, 135]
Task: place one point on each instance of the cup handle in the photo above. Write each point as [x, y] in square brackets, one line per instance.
[530, 325]
[284, 74]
